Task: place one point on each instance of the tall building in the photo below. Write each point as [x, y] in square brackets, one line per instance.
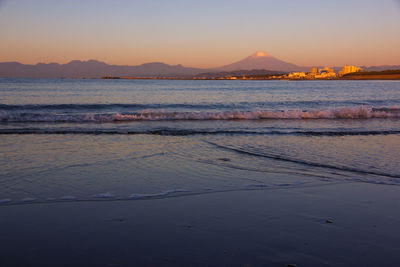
[313, 70]
[349, 69]
[325, 73]
[297, 75]
[326, 70]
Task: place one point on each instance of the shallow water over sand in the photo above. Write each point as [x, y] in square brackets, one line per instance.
[73, 140]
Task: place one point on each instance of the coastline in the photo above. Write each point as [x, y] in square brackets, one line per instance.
[355, 78]
[348, 224]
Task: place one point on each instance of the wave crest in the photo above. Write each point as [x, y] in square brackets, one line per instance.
[361, 112]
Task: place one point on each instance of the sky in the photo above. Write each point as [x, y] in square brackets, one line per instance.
[207, 33]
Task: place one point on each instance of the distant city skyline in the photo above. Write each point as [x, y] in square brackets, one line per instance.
[203, 34]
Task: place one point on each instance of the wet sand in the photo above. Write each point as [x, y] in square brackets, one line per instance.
[350, 224]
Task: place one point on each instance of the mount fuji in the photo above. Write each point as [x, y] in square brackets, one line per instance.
[261, 60]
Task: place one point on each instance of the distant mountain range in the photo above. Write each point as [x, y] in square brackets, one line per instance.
[261, 60]
[92, 69]
[96, 69]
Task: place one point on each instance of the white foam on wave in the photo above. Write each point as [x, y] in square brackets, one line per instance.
[360, 112]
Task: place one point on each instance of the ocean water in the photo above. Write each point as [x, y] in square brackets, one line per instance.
[103, 140]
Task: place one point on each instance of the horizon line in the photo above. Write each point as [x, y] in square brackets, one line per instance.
[185, 66]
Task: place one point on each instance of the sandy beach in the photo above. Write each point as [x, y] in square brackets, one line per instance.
[199, 173]
[348, 224]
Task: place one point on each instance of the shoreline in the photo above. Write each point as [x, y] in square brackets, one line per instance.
[347, 224]
[367, 78]
[355, 78]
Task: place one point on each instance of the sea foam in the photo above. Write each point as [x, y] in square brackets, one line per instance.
[360, 112]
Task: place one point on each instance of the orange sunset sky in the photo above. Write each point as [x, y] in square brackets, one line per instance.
[200, 33]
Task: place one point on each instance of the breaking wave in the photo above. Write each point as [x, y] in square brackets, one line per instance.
[361, 112]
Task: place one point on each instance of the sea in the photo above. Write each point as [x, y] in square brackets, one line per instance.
[70, 140]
